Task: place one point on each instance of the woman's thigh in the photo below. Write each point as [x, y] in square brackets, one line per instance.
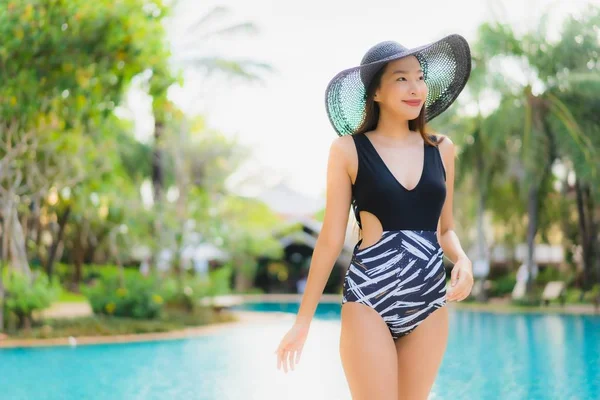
[368, 354]
[420, 355]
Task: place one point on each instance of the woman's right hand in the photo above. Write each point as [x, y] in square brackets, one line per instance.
[290, 347]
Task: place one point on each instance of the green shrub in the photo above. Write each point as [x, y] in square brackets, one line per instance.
[102, 325]
[91, 272]
[220, 281]
[592, 294]
[503, 285]
[550, 274]
[573, 296]
[139, 298]
[529, 300]
[23, 296]
[196, 288]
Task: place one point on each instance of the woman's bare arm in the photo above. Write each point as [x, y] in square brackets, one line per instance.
[446, 236]
[331, 238]
[461, 280]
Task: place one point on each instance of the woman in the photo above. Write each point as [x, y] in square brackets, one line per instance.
[399, 181]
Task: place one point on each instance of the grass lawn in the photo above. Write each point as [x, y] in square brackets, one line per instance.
[70, 297]
[100, 325]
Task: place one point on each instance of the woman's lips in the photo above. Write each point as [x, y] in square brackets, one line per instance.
[414, 103]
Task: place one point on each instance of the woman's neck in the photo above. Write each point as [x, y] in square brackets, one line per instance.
[394, 128]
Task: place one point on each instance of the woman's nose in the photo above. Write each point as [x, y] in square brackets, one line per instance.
[414, 88]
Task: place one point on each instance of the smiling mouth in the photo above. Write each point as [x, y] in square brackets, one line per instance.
[414, 103]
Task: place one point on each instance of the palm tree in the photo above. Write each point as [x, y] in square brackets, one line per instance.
[188, 54]
[540, 114]
[482, 151]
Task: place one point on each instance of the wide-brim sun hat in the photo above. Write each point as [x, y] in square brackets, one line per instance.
[446, 65]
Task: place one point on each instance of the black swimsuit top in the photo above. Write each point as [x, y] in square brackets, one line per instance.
[377, 191]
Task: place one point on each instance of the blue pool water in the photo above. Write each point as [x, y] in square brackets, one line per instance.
[325, 311]
[489, 356]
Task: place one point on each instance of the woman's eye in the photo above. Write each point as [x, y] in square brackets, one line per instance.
[422, 78]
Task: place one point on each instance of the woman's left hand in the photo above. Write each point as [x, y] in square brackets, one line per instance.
[461, 280]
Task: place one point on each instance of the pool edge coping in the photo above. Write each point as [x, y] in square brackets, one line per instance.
[242, 317]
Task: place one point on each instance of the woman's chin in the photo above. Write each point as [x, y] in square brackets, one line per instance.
[403, 114]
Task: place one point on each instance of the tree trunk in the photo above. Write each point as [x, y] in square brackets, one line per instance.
[158, 187]
[3, 261]
[157, 162]
[35, 226]
[62, 222]
[18, 254]
[243, 279]
[592, 239]
[38, 239]
[93, 243]
[482, 245]
[534, 197]
[584, 231]
[114, 249]
[79, 253]
[1, 297]
[532, 211]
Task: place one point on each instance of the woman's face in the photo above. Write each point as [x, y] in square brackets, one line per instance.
[402, 90]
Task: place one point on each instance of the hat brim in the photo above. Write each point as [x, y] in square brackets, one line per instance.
[446, 64]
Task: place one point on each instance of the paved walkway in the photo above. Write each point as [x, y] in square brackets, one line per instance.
[68, 310]
[242, 318]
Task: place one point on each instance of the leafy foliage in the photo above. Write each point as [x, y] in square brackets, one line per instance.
[140, 297]
[24, 296]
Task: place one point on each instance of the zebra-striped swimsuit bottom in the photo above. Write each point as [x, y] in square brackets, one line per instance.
[401, 276]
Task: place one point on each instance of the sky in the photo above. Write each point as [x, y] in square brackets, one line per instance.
[307, 43]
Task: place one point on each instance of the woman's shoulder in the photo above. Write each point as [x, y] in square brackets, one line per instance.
[444, 145]
[343, 146]
[437, 138]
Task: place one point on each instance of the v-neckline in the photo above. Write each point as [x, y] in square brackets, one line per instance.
[390, 171]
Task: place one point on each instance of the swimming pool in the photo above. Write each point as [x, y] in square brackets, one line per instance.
[489, 356]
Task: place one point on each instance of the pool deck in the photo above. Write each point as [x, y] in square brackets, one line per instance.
[245, 317]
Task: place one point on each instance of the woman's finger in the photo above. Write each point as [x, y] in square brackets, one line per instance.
[452, 293]
[291, 359]
[299, 354]
[463, 290]
[456, 291]
[454, 276]
[284, 356]
[278, 359]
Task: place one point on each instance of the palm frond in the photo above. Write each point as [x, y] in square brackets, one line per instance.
[241, 28]
[246, 69]
[564, 115]
[216, 13]
[585, 83]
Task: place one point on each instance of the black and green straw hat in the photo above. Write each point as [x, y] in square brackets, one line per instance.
[446, 64]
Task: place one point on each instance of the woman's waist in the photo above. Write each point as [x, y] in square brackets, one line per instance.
[424, 239]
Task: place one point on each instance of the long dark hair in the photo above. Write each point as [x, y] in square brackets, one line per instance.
[371, 119]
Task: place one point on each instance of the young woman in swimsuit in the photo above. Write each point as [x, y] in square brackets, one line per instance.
[399, 180]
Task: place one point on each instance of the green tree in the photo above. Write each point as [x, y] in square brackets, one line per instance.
[539, 116]
[65, 67]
